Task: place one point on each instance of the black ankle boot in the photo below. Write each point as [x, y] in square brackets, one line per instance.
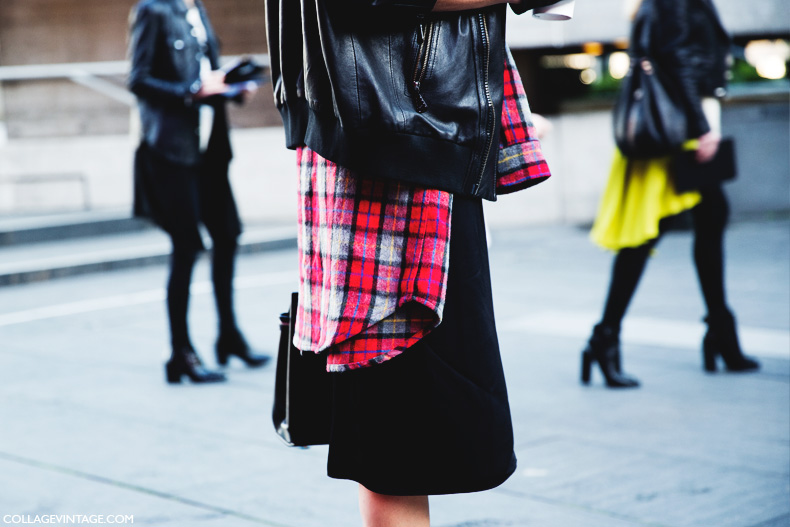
[722, 340]
[234, 344]
[604, 348]
[185, 361]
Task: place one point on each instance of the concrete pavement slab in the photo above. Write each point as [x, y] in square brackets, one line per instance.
[90, 427]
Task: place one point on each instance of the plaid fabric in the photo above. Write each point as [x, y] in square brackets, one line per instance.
[373, 253]
[521, 163]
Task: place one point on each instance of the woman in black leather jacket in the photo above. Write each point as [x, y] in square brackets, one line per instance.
[181, 167]
[690, 46]
[385, 101]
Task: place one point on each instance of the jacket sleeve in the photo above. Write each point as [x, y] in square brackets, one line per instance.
[671, 43]
[145, 36]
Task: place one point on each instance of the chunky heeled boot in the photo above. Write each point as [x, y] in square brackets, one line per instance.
[233, 344]
[185, 361]
[604, 348]
[722, 340]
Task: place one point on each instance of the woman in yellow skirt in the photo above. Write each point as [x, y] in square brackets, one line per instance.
[691, 46]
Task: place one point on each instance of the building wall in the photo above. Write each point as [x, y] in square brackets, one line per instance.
[70, 148]
[65, 31]
[52, 31]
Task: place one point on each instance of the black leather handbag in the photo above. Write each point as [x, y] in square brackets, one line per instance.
[649, 120]
[302, 390]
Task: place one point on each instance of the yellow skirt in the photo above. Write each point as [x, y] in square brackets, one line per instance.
[638, 195]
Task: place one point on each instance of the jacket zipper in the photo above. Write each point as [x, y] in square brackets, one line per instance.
[489, 101]
[421, 64]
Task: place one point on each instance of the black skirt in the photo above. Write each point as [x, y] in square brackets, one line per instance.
[435, 419]
[178, 198]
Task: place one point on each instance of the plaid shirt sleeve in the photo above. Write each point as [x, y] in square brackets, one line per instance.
[521, 163]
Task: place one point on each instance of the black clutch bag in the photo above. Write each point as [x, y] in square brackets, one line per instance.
[243, 70]
[302, 390]
[691, 175]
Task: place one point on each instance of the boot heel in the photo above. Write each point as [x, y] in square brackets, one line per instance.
[185, 361]
[708, 356]
[235, 345]
[604, 348]
[172, 373]
[586, 367]
[222, 357]
[722, 340]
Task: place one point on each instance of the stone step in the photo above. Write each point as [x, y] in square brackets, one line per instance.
[73, 255]
[19, 230]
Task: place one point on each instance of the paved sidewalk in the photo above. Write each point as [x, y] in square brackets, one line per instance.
[88, 425]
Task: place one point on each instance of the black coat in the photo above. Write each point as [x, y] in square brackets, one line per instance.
[165, 75]
[690, 45]
[390, 89]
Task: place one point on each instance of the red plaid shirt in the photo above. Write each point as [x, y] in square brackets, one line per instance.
[521, 163]
[373, 253]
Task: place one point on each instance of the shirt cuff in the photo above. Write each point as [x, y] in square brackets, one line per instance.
[194, 88]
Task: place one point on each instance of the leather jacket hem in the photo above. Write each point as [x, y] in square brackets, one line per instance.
[404, 157]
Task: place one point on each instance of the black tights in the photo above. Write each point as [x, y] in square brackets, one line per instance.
[182, 262]
[710, 219]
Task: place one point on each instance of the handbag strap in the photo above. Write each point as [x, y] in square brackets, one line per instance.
[641, 31]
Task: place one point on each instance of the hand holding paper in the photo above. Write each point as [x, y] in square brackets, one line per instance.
[562, 10]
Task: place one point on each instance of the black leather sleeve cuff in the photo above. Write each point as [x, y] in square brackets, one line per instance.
[525, 5]
[195, 87]
[698, 126]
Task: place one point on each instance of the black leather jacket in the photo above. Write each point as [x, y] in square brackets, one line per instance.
[165, 75]
[692, 47]
[390, 89]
